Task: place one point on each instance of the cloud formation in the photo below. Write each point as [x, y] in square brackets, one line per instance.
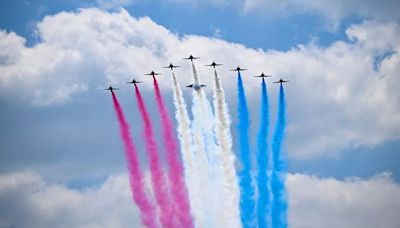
[27, 200]
[316, 202]
[334, 11]
[340, 97]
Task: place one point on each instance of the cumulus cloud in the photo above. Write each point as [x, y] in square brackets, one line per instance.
[11, 45]
[316, 202]
[333, 11]
[28, 200]
[337, 99]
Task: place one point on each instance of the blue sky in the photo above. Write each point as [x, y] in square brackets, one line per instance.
[343, 104]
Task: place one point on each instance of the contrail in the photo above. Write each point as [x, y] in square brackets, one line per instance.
[166, 211]
[136, 177]
[279, 200]
[224, 138]
[189, 162]
[247, 202]
[175, 171]
[207, 152]
[262, 160]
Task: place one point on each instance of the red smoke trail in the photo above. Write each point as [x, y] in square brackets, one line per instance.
[147, 211]
[175, 172]
[158, 180]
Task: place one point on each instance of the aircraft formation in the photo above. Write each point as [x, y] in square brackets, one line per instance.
[194, 85]
[201, 183]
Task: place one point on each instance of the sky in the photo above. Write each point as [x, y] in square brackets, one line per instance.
[60, 148]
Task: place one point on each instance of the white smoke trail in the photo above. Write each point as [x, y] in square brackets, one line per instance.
[203, 133]
[201, 160]
[224, 139]
[192, 166]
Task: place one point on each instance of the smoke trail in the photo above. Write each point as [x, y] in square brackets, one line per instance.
[207, 152]
[203, 167]
[206, 120]
[175, 172]
[136, 178]
[192, 171]
[158, 180]
[247, 204]
[279, 201]
[224, 138]
[262, 160]
[196, 79]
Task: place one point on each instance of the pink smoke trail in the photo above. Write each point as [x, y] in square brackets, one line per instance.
[136, 178]
[175, 172]
[157, 177]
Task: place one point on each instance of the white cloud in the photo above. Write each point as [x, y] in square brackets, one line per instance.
[336, 99]
[11, 45]
[217, 32]
[27, 200]
[316, 202]
[47, 96]
[333, 11]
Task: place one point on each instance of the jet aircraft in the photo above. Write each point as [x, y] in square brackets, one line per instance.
[171, 66]
[238, 69]
[196, 86]
[262, 75]
[134, 81]
[281, 81]
[191, 58]
[213, 64]
[153, 74]
[111, 88]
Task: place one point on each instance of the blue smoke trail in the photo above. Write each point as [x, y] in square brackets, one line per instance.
[247, 203]
[262, 160]
[279, 200]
